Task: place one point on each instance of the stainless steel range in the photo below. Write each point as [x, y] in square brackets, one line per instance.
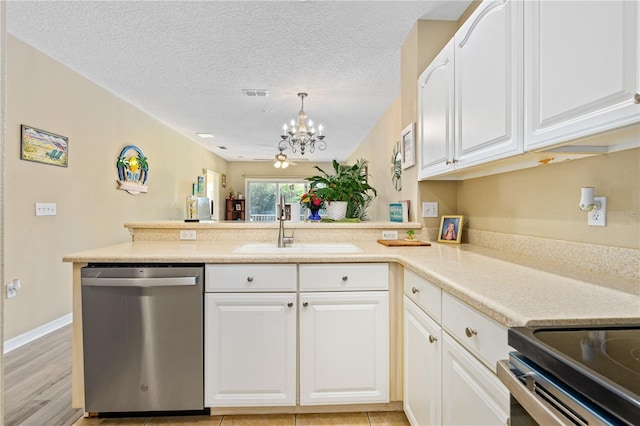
[575, 375]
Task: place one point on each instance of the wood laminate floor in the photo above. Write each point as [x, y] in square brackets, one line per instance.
[37, 382]
[38, 393]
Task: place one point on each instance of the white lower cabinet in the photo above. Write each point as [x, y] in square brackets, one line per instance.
[255, 313]
[344, 347]
[446, 383]
[250, 347]
[422, 367]
[471, 394]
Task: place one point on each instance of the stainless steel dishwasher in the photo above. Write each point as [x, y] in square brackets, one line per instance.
[143, 337]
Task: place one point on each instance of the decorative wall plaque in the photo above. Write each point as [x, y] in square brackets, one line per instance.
[133, 170]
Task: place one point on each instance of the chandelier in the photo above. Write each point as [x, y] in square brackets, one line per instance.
[302, 135]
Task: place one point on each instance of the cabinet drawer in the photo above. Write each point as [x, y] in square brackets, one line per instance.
[250, 278]
[481, 335]
[426, 295]
[344, 276]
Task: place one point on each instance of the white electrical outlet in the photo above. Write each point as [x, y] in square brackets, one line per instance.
[45, 209]
[188, 234]
[430, 209]
[389, 235]
[599, 217]
[12, 288]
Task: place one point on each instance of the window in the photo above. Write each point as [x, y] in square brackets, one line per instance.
[263, 196]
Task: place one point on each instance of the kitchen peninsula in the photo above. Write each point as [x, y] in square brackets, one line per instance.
[506, 290]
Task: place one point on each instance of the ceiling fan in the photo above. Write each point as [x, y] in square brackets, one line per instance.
[281, 161]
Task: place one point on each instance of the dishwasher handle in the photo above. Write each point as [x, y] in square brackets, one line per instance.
[139, 282]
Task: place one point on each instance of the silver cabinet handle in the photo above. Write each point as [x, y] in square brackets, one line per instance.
[305, 304]
[290, 305]
[249, 279]
[636, 98]
[415, 290]
[345, 278]
[470, 332]
[455, 161]
[432, 339]
[447, 162]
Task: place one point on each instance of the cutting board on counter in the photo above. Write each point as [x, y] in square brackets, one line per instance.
[403, 243]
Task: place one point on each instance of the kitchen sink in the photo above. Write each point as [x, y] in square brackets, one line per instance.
[298, 248]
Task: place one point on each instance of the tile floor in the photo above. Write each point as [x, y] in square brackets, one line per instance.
[342, 419]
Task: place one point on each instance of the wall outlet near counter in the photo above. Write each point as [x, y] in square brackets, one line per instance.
[389, 235]
[188, 234]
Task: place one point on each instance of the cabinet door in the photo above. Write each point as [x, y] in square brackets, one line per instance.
[250, 349]
[422, 367]
[581, 68]
[344, 347]
[471, 394]
[488, 113]
[435, 115]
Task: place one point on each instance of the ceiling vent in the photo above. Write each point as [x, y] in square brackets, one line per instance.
[255, 93]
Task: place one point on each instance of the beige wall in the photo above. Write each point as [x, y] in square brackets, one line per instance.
[90, 211]
[3, 36]
[543, 201]
[377, 147]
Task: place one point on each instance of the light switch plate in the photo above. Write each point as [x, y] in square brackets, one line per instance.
[430, 209]
[45, 209]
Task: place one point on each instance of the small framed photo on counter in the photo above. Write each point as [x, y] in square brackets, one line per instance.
[450, 229]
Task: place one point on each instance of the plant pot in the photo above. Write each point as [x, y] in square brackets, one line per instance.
[336, 210]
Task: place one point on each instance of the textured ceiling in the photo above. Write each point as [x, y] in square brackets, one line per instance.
[186, 62]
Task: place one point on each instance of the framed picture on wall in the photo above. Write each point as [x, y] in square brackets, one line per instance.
[43, 147]
[450, 229]
[201, 186]
[408, 146]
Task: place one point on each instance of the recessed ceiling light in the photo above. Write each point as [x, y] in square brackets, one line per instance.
[261, 93]
[205, 135]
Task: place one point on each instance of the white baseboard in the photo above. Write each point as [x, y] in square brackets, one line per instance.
[36, 333]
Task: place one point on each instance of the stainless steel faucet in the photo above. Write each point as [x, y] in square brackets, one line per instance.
[282, 240]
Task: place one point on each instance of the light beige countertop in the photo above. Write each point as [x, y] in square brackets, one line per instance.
[513, 290]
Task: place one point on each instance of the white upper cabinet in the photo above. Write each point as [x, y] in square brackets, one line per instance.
[435, 117]
[470, 96]
[581, 69]
[488, 104]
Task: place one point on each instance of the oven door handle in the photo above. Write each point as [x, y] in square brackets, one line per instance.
[527, 398]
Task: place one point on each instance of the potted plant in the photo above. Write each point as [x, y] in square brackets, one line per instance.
[348, 186]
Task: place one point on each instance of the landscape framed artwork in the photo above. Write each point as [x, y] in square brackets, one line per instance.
[408, 146]
[43, 147]
[450, 229]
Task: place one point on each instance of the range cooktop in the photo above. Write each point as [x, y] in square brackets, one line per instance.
[601, 363]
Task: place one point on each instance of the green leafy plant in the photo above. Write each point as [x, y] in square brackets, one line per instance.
[410, 233]
[346, 183]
